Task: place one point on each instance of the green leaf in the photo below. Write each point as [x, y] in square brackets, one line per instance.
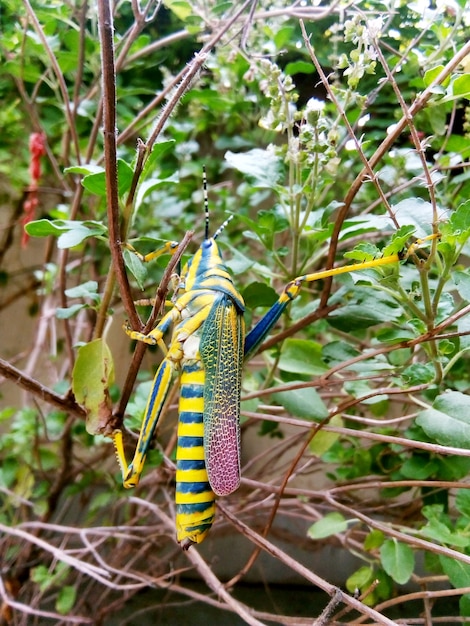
[323, 440]
[457, 229]
[44, 228]
[336, 352]
[461, 85]
[302, 356]
[70, 311]
[299, 67]
[332, 524]
[458, 572]
[363, 252]
[419, 373]
[41, 576]
[374, 308]
[399, 240]
[448, 421]
[304, 403]
[136, 267]
[432, 74]
[416, 212]
[261, 165]
[85, 290]
[92, 376]
[374, 540]
[462, 282]
[180, 8]
[84, 170]
[96, 183]
[70, 232]
[438, 528]
[464, 605]
[397, 560]
[149, 185]
[259, 294]
[101, 501]
[158, 150]
[462, 502]
[361, 579]
[419, 468]
[65, 599]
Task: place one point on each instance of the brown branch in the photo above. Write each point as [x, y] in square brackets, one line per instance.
[64, 403]
[106, 31]
[300, 569]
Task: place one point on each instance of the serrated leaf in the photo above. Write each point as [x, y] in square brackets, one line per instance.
[363, 252]
[418, 374]
[416, 212]
[448, 421]
[302, 356]
[398, 241]
[462, 282]
[398, 560]
[92, 375]
[332, 524]
[304, 403]
[438, 529]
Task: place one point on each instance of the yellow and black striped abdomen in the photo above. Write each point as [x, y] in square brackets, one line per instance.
[195, 500]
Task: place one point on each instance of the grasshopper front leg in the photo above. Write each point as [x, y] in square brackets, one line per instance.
[160, 388]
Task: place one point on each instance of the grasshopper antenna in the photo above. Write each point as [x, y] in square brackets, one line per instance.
[206, 208]
[206, 201]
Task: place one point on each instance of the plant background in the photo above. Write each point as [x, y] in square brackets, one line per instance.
[332, 133]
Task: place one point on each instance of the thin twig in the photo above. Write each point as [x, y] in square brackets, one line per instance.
[64, 403]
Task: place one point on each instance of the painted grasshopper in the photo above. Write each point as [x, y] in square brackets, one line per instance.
[207, 349]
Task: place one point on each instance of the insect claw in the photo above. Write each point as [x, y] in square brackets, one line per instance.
[186, 543]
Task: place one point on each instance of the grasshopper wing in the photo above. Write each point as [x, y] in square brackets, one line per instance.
[221, 350]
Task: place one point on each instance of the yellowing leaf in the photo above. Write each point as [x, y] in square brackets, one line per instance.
[92, 375]
[323, 440]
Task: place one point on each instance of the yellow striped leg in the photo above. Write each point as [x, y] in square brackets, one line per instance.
[161, 385]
